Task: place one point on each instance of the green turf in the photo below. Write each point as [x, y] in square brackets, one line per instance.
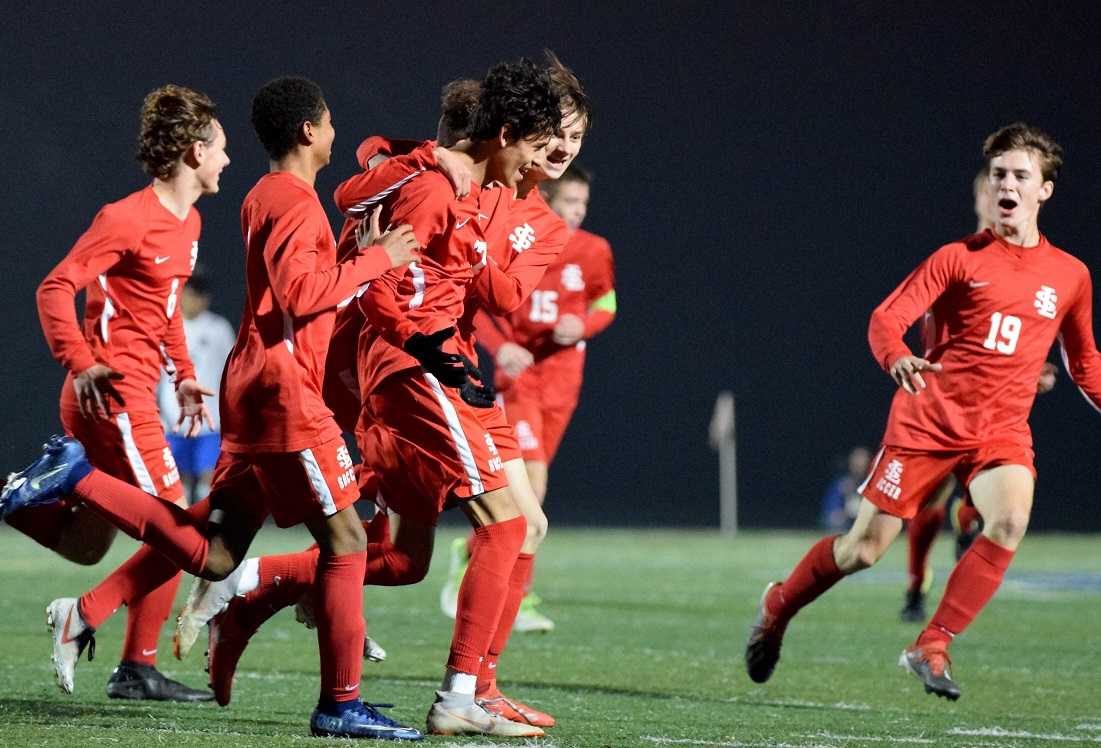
[647, 653]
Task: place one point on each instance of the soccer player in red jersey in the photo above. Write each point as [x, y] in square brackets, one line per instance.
[132, 263]
[281, 451]
[1000, 299]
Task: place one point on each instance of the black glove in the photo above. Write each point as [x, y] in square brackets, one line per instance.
[446, 367]
[476, 393]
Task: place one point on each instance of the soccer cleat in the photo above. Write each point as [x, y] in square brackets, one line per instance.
[372, 651]
[528, 619]
[497, 703]
[458, 558]
[471, 718]
[228, 636]
[913, 610]
[70, 636]
[47, 479]
[206, 600]
[929, 663]
[132, 680]
[361, 721]
[303, 613]
[766, 636]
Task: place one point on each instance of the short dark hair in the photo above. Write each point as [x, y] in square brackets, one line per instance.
[458, 101]
[199, 282]
[1021, 136]
[573, 173]
[280, 108]
[173, 118]
[518, 96]
[571, 94]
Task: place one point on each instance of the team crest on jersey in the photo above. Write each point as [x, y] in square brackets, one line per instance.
[572, 280]
[1045, 302]
[890, 484]
[522, 237]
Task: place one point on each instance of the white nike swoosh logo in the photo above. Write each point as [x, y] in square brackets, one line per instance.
[462, 223]
[978, 284]
[149, 652]
[36, 482]
[162, 260]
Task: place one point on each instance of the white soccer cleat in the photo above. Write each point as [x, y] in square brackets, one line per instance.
[372, 651]
[458, 558]
[206, 600]
[528, 619]
[70, 636]
[303, 613]
[472, 719]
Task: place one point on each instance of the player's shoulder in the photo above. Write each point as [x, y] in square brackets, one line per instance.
[1069, 263]
[595, 241]
[430, 185]
[128, 215]
[281, 192]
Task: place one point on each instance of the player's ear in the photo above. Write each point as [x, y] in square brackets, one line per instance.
[504, 137]
[1046, 190]
[307, 133]
[194, 155]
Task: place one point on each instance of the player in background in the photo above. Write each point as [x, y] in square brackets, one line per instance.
[210, 338]
[281, 449]
[999, 299]
[923, 529]
[132, 263]
[539, 350]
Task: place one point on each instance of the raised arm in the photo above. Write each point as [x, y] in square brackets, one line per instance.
[503, 290]
[1080, 356]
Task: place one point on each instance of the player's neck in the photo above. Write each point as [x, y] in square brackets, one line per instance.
[178, 193]
[301, 163]
[1022, 236]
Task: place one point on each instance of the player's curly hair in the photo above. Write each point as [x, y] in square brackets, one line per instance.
[574, 173]
[458, 101]
[173, 118]
[569, 90]
[1022, 136]
[518, 96]
[279, 110]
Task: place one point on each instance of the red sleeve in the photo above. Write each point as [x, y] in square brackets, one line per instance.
[107, 240]
[357, 196]
[175, 347]
[426, 206]
[290, 254]
[1080, 356]
[377, 145]
[502, 291]
[602, 284]
[907, 303]
[491, 331]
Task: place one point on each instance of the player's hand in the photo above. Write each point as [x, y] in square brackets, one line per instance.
[189, 394]
[513, 359]
[475, 391]
[455, 169]
[906, 372]
[95, 390]
[400, 243]
[367, 232]
[1048, 374]
[569, 329]
[446, 367]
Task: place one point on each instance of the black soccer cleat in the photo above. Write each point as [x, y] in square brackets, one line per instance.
[930, 664]
[131, 680]
[766, 635]
[913, 610]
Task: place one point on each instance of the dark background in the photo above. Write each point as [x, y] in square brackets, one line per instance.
[766, 173]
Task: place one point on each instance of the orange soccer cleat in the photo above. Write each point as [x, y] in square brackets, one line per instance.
[517, 711]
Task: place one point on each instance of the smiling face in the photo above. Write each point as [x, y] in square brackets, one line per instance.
[564, 146]
[211, 158]
[512, 159]
[1018, 190]
[323, 134]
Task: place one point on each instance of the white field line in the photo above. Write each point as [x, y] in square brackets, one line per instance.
[1001, 732]
[869, 738]
[662, 740]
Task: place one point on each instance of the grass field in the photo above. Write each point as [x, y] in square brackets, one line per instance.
[647, 652]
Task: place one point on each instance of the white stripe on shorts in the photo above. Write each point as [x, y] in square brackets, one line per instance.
[317, 482]
[871, 471]
[462, 446]
[133, 455]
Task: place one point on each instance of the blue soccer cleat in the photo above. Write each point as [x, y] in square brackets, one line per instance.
[48, 478]
[361, 721]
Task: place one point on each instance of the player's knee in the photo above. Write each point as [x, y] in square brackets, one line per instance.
[1008, 527]
[856, 554]
[347, 537]
[218, 566]
[87, 554]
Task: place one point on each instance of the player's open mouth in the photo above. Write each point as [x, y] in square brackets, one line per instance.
[1007, 204]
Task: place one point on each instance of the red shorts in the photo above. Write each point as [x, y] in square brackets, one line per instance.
[427, 446]
[539, 405]
[901, 480]
[130, 447]
[297, 486]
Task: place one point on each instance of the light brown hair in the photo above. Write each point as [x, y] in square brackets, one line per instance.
[1021, 136]
[569, 90]
[172, 119]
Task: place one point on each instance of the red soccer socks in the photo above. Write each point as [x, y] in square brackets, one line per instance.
[338, 605]
[920, 535]
[144, 621]
[972, 583]
[483, 590]
[812, 576]
[518, 584]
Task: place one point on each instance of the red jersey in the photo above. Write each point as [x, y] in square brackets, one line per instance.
[996, 310]
[133, 261]
[581, 277]
[271, 389]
